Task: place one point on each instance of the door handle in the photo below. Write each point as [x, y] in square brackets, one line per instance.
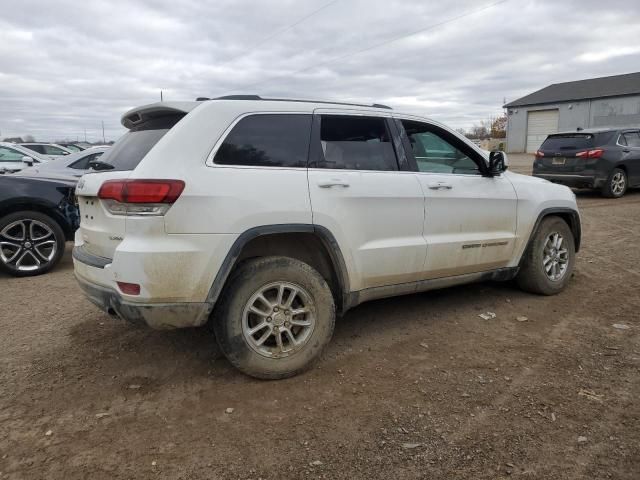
[333, 182]
[626, 150]
[440, 186]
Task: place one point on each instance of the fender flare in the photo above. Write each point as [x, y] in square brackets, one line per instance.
[323, 234]
[574, 225]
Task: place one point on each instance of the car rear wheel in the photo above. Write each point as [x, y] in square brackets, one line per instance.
[616, 184]
[31, 243]
[549, 260]
[275, 316]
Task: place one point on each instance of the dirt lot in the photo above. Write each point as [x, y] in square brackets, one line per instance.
[411, 387]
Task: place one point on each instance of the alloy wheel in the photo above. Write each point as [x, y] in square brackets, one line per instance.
[27, 245]
[278, 319]
[618, 183]
[556, 257]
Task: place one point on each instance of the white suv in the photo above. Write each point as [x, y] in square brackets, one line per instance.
[266, 217]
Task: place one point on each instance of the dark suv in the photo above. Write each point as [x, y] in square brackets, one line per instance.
[608, 160]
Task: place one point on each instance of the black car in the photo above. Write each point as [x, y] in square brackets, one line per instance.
[37, 216]
[608, 160]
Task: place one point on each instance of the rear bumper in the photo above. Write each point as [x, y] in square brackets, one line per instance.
[573, 180]
[160, 316]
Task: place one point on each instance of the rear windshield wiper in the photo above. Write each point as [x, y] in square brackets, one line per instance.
[100, 165]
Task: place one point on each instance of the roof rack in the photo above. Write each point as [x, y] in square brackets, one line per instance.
[258, 97]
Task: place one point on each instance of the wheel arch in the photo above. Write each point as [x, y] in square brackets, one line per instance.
[570, 216]
[312, 244]
[43, 208]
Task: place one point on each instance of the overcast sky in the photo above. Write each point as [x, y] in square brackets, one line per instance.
[68, 65]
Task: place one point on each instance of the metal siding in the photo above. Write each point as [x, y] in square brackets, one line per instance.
[616, 112]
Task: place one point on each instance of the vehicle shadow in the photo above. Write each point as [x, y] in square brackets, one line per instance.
[118, 349]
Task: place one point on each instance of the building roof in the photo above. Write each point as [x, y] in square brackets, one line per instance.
[614, 86]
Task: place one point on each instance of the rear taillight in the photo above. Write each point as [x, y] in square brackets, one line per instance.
[539, 153]
[140, 197]
[595, 153]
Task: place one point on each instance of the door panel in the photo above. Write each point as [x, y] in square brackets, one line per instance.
[377, 219]
[632, 157]
[375, 211]
[470, 219]
[470, 223]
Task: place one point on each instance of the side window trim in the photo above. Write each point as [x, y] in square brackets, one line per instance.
[316, 156]
[413, 163]
[467, 150]
[209, 161]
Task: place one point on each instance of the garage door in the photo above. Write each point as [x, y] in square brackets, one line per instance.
[540, 124]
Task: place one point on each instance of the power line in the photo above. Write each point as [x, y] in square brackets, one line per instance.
[377, 45]
[296, 23]
[253, 47]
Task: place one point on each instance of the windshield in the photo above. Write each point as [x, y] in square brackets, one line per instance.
[132, 147]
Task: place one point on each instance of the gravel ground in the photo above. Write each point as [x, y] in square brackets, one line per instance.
[411, 387]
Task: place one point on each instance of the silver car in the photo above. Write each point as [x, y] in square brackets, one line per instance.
[74, 164]
[14, 157]
[51, 150]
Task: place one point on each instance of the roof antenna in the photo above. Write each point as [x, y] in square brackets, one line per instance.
[579, 129]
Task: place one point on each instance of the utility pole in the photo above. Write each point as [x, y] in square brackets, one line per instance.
[85, 135]
[103, 140]
[160, 95]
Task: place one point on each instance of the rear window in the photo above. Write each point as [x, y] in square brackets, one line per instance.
[132, 147]
[575, 141]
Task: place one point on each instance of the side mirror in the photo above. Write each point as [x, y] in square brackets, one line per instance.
[28, 161]
[498, 162]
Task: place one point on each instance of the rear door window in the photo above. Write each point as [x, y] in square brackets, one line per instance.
[633, 139]
[355, 143]
[35, 148]
[267, 140]
[132, 147]
[576, 141]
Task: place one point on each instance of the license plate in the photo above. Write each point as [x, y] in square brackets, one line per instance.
[558, 161]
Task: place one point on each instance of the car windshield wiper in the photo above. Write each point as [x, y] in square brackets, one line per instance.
[100, 165]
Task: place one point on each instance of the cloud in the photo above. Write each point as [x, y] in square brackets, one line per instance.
[76, 64]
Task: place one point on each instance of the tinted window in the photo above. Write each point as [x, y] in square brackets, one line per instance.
[132, 147]
[267, 141]
[574, 141]
[35, 148]
[83, 163]
[632, 138]
[355, 143]
[10, 155]
[436, 151]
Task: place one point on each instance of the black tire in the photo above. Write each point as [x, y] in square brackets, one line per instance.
[611, 188]
[229, 316]
[532, 276]
[47, 258]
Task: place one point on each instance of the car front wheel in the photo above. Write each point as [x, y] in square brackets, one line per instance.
[549, 260]
[275, 316]
[31, 243]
